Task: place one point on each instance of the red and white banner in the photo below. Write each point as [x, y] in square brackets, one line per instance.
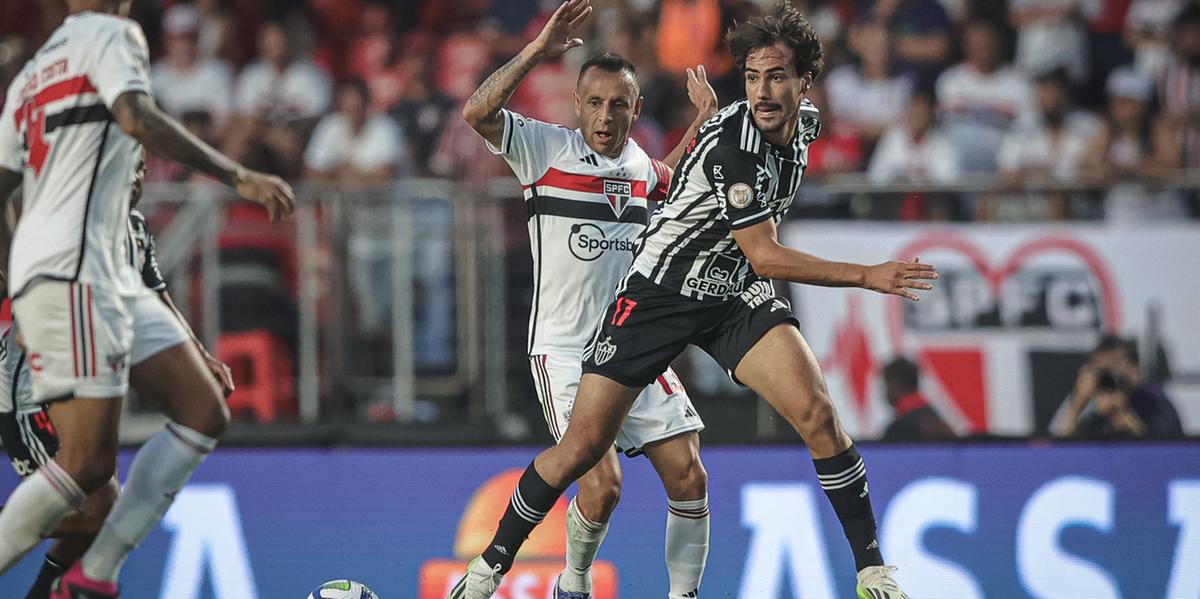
[999, 338]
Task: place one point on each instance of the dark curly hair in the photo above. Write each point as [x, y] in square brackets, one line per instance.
[783, 24]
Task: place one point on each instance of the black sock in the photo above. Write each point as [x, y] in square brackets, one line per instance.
[51, 569]
[844, 479]
[530, 503]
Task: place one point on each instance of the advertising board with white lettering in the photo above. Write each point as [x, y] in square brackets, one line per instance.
[964, 522]
[1017, 307]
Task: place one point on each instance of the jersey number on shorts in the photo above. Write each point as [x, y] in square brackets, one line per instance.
[624, 307]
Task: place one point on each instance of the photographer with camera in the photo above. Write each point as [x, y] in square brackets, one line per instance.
[1111, 400]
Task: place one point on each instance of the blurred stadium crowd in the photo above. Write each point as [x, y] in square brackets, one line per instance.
[360, 92]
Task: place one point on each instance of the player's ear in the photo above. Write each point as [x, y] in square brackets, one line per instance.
[637, 108]
[806, 83]
[578, 104]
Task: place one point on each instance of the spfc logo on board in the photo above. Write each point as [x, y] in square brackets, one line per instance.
[605, 350]
[618, 194]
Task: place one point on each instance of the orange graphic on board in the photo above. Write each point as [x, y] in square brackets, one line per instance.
[538, 562]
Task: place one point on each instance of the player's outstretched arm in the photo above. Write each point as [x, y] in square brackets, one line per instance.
[704, 98]
[138, 116]
[482, 110]
[773, 260]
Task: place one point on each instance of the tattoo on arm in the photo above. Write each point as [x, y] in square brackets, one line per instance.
[495, 91]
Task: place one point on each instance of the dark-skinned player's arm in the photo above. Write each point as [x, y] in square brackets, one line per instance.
[704, 98]
[219, 369]
[9, 182]
[773, 260]
[482, 110]
[138, 116]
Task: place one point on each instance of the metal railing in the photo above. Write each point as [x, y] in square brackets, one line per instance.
[343, 244]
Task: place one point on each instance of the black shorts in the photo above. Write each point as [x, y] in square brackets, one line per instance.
[29, 439]
[647, 326]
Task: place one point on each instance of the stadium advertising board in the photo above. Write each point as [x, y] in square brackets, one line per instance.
[1051, 522]
[1014, 313]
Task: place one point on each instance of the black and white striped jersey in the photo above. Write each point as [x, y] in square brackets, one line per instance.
[730, 178]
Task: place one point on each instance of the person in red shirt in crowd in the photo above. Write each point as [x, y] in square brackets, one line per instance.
[915, 419]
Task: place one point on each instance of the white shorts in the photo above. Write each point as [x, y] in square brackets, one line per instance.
[661, 411]
[81, 340]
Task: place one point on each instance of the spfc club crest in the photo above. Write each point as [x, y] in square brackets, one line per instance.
[618, 194]
[604, 351]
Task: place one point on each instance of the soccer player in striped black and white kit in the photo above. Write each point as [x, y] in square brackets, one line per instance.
[586, 194]
[74, 122]
[702, 276]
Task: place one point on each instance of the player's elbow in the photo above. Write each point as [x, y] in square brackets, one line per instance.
[764, 262]
[472, 114]
[134, 113]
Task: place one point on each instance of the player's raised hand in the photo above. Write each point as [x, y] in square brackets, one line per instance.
[270, 191]
[556, 37]
[897, 278]
[700, 92]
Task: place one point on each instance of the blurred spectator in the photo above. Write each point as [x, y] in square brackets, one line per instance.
[1052, 34]
[868, 95]
[1047, 147]
[1147, 28]
[1130, 147]
[1110, 398]
[422, 111]
[352, 148]
[184, 80]
[278, 99]
[217, 34]
[1179, 87]
[691, 32]
[922, 32]
[914, 419]
[280, 85]
[982, 98]
[913, 149]
[839, 148]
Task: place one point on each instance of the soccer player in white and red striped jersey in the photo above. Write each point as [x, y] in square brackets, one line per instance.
[71, 132]
[587, 193]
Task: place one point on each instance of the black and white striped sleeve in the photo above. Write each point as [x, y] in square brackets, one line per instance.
[734, 175]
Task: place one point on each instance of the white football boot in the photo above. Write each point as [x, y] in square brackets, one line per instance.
[480, 581]
[876, 582]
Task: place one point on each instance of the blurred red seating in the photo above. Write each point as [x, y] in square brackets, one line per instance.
[262, 372]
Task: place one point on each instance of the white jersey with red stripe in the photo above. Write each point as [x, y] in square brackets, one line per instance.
[78, 165]
[585, 214]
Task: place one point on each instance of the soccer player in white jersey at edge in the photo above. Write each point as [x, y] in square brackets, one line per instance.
[587, 194]
[74, 123]
[702, 275]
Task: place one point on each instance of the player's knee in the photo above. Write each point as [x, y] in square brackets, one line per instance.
[583, 455]
[692, 483]
[817, 415]
[603, 493]
[91, 473]
[209, 416]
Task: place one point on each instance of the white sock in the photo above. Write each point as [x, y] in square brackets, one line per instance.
[33, 509]
[583, 541]
[687, 546]
[160, 469]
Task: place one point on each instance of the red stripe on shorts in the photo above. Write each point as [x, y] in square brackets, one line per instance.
[91, 330]
[74, 342]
